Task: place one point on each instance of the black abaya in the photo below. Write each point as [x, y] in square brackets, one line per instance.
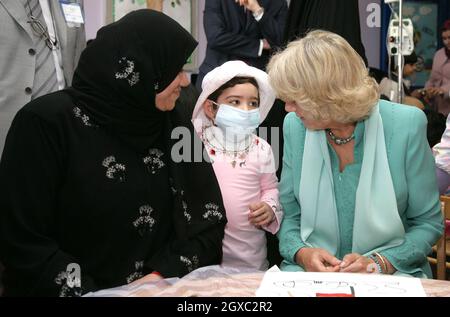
[338, 16]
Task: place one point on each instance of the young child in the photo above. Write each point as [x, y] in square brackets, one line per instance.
[235, 99]
[389, 86]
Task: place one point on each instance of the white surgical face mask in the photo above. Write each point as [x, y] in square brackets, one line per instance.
[236, 123]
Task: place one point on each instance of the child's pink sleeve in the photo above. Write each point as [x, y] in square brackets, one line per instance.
[269, 189]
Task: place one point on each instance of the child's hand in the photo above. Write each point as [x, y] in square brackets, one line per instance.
[261, 214]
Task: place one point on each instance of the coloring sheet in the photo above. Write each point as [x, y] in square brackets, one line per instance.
[302, 284]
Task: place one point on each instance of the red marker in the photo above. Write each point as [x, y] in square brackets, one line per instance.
[337, 294]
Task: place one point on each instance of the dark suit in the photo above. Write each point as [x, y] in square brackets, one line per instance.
[234, 34]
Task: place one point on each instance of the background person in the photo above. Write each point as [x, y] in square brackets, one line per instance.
[438, 86]
[246, 30]
[39, 50]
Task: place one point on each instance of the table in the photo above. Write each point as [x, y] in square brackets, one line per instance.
[215, 281]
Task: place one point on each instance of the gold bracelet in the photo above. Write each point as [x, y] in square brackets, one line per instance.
[382, 261]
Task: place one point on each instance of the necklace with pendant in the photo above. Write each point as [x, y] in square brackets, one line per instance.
[338, 140]
[235, 155]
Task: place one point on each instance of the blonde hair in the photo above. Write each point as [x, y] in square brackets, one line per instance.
[325, 76]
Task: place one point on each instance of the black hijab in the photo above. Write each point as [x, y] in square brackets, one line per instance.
[122, 70]
[116, 82]
[141, 54]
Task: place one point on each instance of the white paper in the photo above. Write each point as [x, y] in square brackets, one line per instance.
[301, 284]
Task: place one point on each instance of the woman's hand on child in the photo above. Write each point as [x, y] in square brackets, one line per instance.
[261, 214]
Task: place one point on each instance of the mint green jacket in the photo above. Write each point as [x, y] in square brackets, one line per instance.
[412, 170]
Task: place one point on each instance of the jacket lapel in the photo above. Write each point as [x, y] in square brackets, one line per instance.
[249, 19]
[16, 9]
[61, 29]
[60, 22]
[296, 168]
[240, 14]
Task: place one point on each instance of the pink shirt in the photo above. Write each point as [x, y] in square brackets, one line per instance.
[245, 180]
[440, 77]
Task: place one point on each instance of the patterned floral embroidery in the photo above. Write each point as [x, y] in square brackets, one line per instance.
[153, 160]
[114, 170]
[66, 290]
[144, 223]
[172, 186]
[235, 156]
[186, 213]
[191, 264]
[275, 208]
[83, 117]
[139, 266]
[274, 204]
[128, 72]
[212, 211]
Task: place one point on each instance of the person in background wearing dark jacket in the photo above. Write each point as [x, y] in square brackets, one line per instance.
[39, 50]
[246, 30]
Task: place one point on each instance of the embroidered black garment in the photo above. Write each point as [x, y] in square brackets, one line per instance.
[341, 17]
[87, 177]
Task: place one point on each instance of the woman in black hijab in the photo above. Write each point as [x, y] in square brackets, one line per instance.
[87, 181]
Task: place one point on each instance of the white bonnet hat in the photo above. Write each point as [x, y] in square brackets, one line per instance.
[222, 74]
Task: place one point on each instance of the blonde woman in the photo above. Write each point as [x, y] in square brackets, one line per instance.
[358, 186]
